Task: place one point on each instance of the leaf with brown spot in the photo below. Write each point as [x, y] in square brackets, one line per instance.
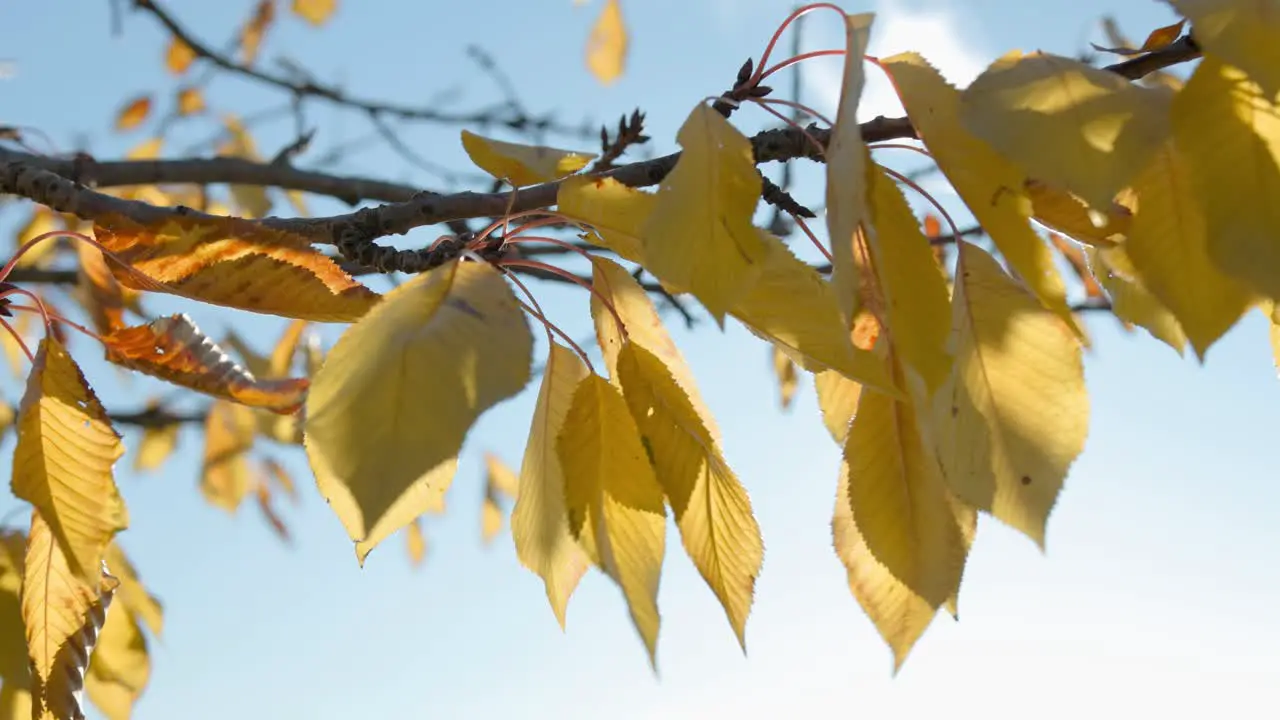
[235, 263]
[173, 349]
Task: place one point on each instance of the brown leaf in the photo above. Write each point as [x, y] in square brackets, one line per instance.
[173, 349]
[133, 113]
[282, 478]
[234, 263]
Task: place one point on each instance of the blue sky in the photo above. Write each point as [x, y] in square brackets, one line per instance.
[1156, 593]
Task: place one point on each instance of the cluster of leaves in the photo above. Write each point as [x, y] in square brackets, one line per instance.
[952, 391]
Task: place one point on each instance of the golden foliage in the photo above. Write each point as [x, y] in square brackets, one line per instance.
[607, 44]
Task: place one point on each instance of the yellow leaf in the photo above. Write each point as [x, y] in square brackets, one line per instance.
[613, 500]
[712, 509]
[132, 594]
[133, 113]
[225, 477]
[539, 521]
[1242, 33]
[146, 150]
[1169, 249]
[792, 306]
[501, 478]
[13, 352]
[903, 517]
[316, 12]
[14, 670]
[63, 612]
[415, 542]
[178, 56]
[616, 211]
[490, 519]
[989, 185]
[190, 101]
[837, 394]
[913, 290]
[1229, 135]
[1060, 210]
[120, 667]
[252, 200]
[1015, 414]
[252, 31]
[607, 44]
[847, 161]
[1130, 301]
[388, 411]
[788, 377]
[15, 702]
[1083, 128]
[42, 220]
[1273, 314]
[699, 237]
[522, 165]
[63, 461]
[155, 446]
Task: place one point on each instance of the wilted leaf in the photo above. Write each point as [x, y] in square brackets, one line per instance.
[522, 165]
[847, 160]
[607, 44]
[235, 263]
[175, 350]
[1229, 135]
[178, 56]
[712, 509]
[539, 520]
[252, 32]
[63, 461]
[225, 477]
[613, 500]
[788, 377]
[699, 237]
[1169, 249]
[1015, 414]
[63, 612]
[1130, 301]
[133, 113]
[989, 185]
[1242, 33]
[387, 413]
[316, 12]
[266, 505]
[1083, 128]
[190, 101]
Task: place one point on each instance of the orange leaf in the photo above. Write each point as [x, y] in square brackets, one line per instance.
[179, 56]
[235, 263]
[251, 34]
[263, 496]
[1158, 39]
[100, 294]
[190, 101]
[133, 113]
[173, 349]
[1075, 256]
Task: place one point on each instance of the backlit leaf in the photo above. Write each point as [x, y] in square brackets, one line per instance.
[1229, 136]
[120, 667]
[156, 445]
[133, 114]
[132, 595]
[911, 288]
[63, 460]
[387, 413]
[989, 185]
[14, 664]
[522, 165]
[42, 220]
[225, 477]
[786, 373]
[316, 12]
[539, 521]
[613, 500]
[190, 101]
[235, 263]
[500, 477]
[699, 237]
[1015, 414]
[793, 307]
[266, 505]
[1169, 249]
[837, 394]
[616, 211]
[847, 161]
[148, 149]
[1242, 33]
[173, 349]
[712, 509]
[1130, 301]
[63, 612]
[178, 56]
[251, 200]
[607, 44]
[100, 294]
[1059, 210]
[1076, 259]
[1067, 123]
